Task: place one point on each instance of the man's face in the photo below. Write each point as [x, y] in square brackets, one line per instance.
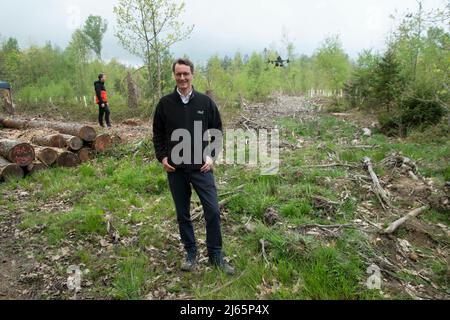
[183, 77]
[104, 78]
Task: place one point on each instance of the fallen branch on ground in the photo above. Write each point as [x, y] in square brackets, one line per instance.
[405, 164]
[249, 120]
[325, 205]
[379, 191]
[361, 147]
[331, 165]
[227, 284]
[396, 224]
[322, 201]
[111, 229]
[331, 226]
[263, 250]
[359, 177]
[232, 192]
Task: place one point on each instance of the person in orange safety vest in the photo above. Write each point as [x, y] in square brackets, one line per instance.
[101, 98]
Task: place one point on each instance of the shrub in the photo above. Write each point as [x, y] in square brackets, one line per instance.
[419, 110]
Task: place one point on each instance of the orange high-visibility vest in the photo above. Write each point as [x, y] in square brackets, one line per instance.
[104, 97]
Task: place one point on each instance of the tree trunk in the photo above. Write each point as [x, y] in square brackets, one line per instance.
[10, 170]
[14, 123]
[132, 92]
[53, 140]
[67, 158]
[35, 167]
[103, 142]
[48, 156]
[86, 133]
[17, 152]
[72, 142]
[86, 154]
[8, 104]
[158, 82]
[150, 76]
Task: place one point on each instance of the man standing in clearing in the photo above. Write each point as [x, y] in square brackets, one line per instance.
[184, 110]
[101, 98]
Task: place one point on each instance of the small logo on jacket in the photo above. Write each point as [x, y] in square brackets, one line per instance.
[201, 112]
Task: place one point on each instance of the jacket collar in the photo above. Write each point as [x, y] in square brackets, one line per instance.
[193, 94]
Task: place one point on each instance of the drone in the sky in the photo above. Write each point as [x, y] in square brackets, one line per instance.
[279, 62]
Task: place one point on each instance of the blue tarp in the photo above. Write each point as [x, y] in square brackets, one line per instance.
[4, 85]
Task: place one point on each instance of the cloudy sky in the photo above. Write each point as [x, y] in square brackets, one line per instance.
[221, 26]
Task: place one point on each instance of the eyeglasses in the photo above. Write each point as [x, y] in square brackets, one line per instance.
[185, 74]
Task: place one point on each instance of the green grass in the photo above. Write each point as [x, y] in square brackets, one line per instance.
[437, 217]
[130, 283]
[134, 191]
[296, 208]
[440, 273]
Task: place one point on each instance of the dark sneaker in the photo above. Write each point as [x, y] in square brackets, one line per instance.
[220, 263]
[190, 263]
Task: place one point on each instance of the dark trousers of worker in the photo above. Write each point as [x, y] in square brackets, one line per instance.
[104, 113]
[204, 185]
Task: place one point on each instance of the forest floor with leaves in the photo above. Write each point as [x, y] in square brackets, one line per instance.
[314, 231]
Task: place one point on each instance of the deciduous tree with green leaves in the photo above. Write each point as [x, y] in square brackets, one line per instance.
[333, 63]
[410, 79]
[94, 29]
[148, 28]
[10, 58]
[78, 52]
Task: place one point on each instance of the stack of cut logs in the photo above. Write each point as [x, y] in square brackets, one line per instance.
[71, 146]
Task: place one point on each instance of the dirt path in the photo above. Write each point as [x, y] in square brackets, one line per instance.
[11, 259]
[266, 115]
[10, 288]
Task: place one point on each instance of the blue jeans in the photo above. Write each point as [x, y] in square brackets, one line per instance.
[204, 185]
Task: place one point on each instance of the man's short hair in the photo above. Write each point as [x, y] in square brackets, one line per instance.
[100, 76]
[183, 61]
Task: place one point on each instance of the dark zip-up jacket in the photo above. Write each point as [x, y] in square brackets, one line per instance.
[100, 92]
[172, 114]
